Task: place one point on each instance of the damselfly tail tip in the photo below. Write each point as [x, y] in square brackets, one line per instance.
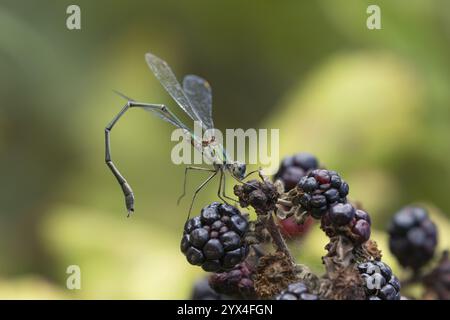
[130, 212]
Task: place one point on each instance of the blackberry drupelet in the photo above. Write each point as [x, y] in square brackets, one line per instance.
[215, 239]
[296, 291]
[237, 282]
[379, 282]
[293, 168]
[342, 214]
[320, 190]
[412, 237]
[361, 227]
[344, 218]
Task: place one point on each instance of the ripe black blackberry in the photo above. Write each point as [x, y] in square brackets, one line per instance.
[412, 237]
[293, 168]
[237, 282]
[215, 239]
[296, 291]
[379, 282]
[320, 190]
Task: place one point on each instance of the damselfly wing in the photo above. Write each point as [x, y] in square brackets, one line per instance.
[195, 99]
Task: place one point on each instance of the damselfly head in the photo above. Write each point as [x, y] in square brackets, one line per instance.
[238, 169]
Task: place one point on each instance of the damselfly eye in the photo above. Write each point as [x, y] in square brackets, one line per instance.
[239, 170]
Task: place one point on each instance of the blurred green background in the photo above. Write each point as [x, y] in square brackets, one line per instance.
[373, 105]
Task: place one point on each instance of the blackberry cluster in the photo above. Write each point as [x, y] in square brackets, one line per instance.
[344, 218]
[412, 237]
[379, 282]
[293, 168]
[238, 282]
[321, 189]
[297, 291]
[215, 239]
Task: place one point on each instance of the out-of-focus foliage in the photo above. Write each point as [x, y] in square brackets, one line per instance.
[373, 105]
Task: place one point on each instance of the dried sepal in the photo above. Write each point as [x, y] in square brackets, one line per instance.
[347, 284]
[274, 273]
[261, 195]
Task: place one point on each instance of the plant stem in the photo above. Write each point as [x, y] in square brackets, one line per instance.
[277, 238]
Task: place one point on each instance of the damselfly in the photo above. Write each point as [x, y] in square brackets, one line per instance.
[195, 99]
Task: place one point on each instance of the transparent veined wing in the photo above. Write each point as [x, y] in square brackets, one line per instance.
[168, 116]
[166, 77]
[199, 94]
[194, 140]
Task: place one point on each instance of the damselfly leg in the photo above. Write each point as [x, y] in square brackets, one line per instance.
[200, 187]
[186, 170]
[246, 176]
[220, 190]
[223, 182]
[252, 172]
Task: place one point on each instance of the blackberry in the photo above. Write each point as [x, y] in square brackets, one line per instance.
[342, 214]
[320, 190]
[379, 282]
[412, 237]
[238, 282]
[203, 291]
[297, 291]
[293, 168]
[215, 239]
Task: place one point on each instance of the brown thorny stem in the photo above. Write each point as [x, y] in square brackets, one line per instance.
[277, 238]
